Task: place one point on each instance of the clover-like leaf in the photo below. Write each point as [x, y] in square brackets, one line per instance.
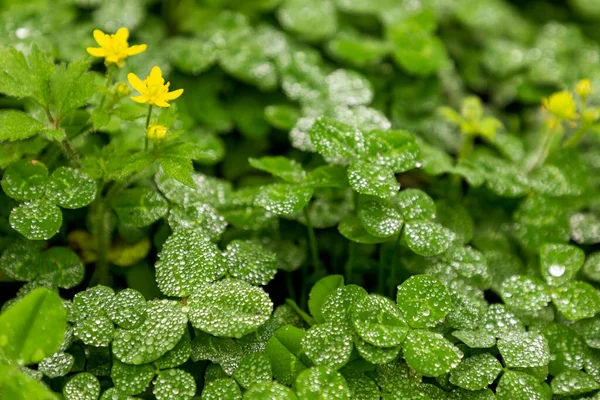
[524, 350]
[71, 188]
[63, 268]
[352, 229]
[427, 238]
[576, 300]
[476, 372]
[415, 204]
[254, 368]
[200, 216]
[380, 218]
[591, 267]
[573, 382]
[177, 355]
[284, 350]
[269, 390]
[475, 339]
[378, 322]
[224, 388]
[83, 386]
[423, 301]
[429, 353]
[250, 262]
[283, 198]
[188, 261]
[229, 308]
[519, 386]
[585, 228]
[281, 167]
[25, 180]
[337, 305]
[37, 219]
[95, 330]
[139, 206]
[59, 364]
[328, 344]
[131, 379]
[540, 220]
[589, 329]
[567, 348]
[128, 309]
[21, 260]
[559, 263]
[319, 292]
[174, 384]
[323, 382]
[92, 301]
[222, 351]
[525, 293]
[327, 176]
[500, 322]
[372, 179]
[374, 354]
[159, 333]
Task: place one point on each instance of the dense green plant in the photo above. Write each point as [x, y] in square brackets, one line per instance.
[335, 199]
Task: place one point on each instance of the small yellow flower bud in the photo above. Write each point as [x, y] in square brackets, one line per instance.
[584, 88]
[561, 105]
[589, 116]
[157, 132]
[122, 89]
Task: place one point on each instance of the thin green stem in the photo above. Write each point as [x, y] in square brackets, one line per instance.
[380, 275]
[312, 240]
[350, 262]
[101, 229]
[393, 269]
[147, 125]
[466, 148]
[576, 137]
[109, 78]
[70, 153]
[542, 151]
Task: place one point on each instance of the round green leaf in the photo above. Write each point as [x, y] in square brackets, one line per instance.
[229, 308]
[92, 301]
[374, 354]
[282, 167]
[500, 322]
[321, 383]
[372, 179]
[380, 219]
[585, 228]
[352, 229]
[254, 368]
[63, 268]
[21, 260]
[139, 206]
[576, 300]
[269, 390]
[188, 261]
[423, 301]
[559, 263]
[320, 291]
[524, 293]
[95, 330]
[328, 344]
[573, 382]
[519, 386]
[429, 353]
[349, 87]
[476, 372]
[25, 180]
[220, 389]
[159, 333]
[427, 238]
[591, 267]
[283, 198]
[361, 386]
[128, 309]
[113, 394]
[83, 386]
[377, 321]
[131, 379]
[71, 188]
[337, 304]
[567, 348]
[251, 262]
[475, 339]
[589, 329]
[312, 20]
[59, 364]
[524, 350]
[177, 355]
[174, 384]
[36, 219]
[199, 216]
[415, 204]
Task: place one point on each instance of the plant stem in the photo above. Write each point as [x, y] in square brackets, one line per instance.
[101, 227]
[312, 240]
[109, 78]
[70, 153]
[147, 125]
[380, 277]
[466, 148]
[394, 267]
[576, 137]
[350, 262]
[541, 152]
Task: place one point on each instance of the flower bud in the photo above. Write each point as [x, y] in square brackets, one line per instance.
[121, 89]
[561, 105]
[157, 132]
[584, 88]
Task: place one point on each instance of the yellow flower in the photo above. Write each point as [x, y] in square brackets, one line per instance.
[114, 48]
[561, 105]
[584, 88]
[153, 89]
[157, 132]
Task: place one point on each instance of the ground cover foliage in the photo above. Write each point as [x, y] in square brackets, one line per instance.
[299, 199]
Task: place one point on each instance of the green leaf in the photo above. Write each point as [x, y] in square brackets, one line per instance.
[71, 188]
[18, 385]
[269, 390]
[36, 219]
[250, 262]
[540, 220]
[59, 364]
[131, 379]
[188, 261]
[429, 353]
[83, 386]
[319, 292]
[352, 229]
[311, 20]
[72, 86]
[349, 87]
[282, 116]
[16, 125]
[357, 49]
[224, 352]
[576, 300]
[127, 309]
[337, 305]
[591, 267]
[455, 217]
[192, 56]
[177, 166]
[573, 382]
[174, 384]
[25, 180]
[164, 327]
[423, 301]
[475, 339]
[416, 50]
[139, 206]
[282, 167]
[335, 139]
[327, 176]
[328, 344]
[372, 179]
[26, 77]
[92, 301]
[585, 228]
[229, 308]
[225, 388]
[524, 293]
[567, 348]
[284, 350]
[380, 218]
[33, 328]
[198, 216]
[177, 355]
[95, 330]
[283, 198]
[476, 372]
[500, 322]
[427, 238]
[374, 354]
[524, 350]
[321, 382]
[62, 268]
[415, 204]
[21, 260]
[519, 386]
[559, 263]
[377, 321]
[254, 368]
[395, 149]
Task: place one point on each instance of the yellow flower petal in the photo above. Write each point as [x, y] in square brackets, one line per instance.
[161, 103]
[155, 77]
[136, 82]
[173, 95]
[122, 34]
[99, 37]
[137, 49]
[96, 51]
[140, 99]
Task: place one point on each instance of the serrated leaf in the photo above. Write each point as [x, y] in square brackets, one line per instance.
[372, 179]
[377, 321]
[187, 262]
[16, 125]
[323, 382]
[33, 328]
[282, 167]
[282, 198]
[71, 86]
[25, 180]
[476, 372]
[225, 388]
[319, 292]
[524, 293]
[380, 218]
[250, 262]
[427, 238]
[174, 384]
[83, 386]
[127, 309]
[139, 206]
[178, 167]
[159, 333]
[71, 188]
[576, 300]
[36, 219]
[524, 350]
[131, 379]
[429, 353]
[423, 301]
[254, 368]
[328, 344]
[229, 308]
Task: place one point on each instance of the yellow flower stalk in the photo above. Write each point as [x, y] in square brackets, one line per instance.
[153, 90]
[157, 132]
[114, 48]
